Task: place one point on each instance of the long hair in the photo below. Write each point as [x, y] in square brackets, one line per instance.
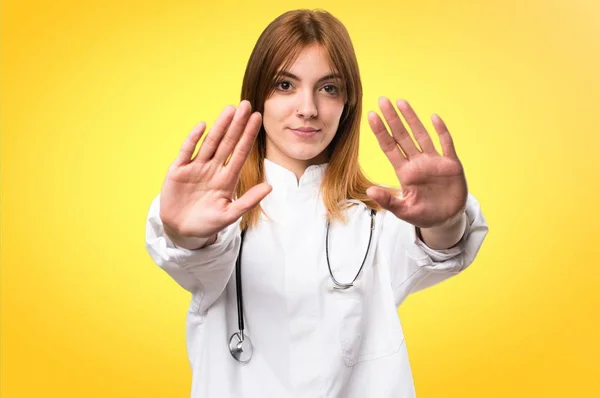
[276, 49]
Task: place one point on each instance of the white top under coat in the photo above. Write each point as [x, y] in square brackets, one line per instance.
[310, 340]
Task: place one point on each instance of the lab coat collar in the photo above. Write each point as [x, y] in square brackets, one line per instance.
[277, 175]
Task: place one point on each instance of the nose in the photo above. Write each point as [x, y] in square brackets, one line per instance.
[306, 107]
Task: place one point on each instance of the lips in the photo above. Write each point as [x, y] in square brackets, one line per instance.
[305, 132]
[306, 129]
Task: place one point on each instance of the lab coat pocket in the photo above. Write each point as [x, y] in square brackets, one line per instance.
[350, 326]
[368, 329]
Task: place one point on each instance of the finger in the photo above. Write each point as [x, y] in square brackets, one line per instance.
[417, 128]
[234, 131]
[386, 142]
[250, 199]
[216, 133]
[388, 201]
[244, 145]
[398, 130]
[189, 145]
[445, 137]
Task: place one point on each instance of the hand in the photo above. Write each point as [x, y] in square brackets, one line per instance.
[197, 194]
[434, 187]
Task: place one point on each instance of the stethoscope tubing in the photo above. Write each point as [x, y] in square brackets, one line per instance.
[238, 340]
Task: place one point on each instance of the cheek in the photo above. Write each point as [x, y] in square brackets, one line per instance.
[333, 115]
[267, 112]
[275, 111]
[268, 118]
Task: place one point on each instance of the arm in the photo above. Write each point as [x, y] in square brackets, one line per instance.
[203, 272]
[192, 229]
[438, 226]
[414, 265]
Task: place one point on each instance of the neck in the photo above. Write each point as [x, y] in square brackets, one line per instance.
[296, 166]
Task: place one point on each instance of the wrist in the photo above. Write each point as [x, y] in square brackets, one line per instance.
[188, 242]
[445, 235]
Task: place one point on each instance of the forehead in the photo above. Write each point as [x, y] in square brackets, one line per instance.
[312, 61]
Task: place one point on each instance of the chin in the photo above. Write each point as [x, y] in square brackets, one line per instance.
[305, 155]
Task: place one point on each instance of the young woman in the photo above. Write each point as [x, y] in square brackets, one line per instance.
[296, 262]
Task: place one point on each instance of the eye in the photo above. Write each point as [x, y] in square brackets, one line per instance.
[330, 88]
[283, 85]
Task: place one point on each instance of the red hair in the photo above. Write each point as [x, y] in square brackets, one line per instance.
[276, 49]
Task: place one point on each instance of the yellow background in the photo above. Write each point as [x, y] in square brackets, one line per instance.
[98, 96]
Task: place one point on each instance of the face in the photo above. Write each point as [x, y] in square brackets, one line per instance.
[302, 115]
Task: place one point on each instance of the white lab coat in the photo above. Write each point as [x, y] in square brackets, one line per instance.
[310, 340]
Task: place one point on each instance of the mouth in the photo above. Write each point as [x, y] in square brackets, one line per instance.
[305, 131]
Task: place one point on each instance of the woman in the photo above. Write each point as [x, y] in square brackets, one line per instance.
[326, 256]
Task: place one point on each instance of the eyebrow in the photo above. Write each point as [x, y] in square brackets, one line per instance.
[326, 77]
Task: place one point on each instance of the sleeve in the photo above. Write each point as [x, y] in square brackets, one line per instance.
[203, 272]
[414, 266]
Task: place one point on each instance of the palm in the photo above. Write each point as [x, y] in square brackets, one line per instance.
[197, 197]
[434, 187]
[201, 193]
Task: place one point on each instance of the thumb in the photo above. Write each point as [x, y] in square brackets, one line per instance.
[385, 199]
[249, 200]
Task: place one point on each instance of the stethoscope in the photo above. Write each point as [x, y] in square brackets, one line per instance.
[240, 345]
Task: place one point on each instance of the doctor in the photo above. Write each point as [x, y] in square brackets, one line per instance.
[303, 302]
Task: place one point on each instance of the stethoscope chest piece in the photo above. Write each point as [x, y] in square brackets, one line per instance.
[240, 347]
